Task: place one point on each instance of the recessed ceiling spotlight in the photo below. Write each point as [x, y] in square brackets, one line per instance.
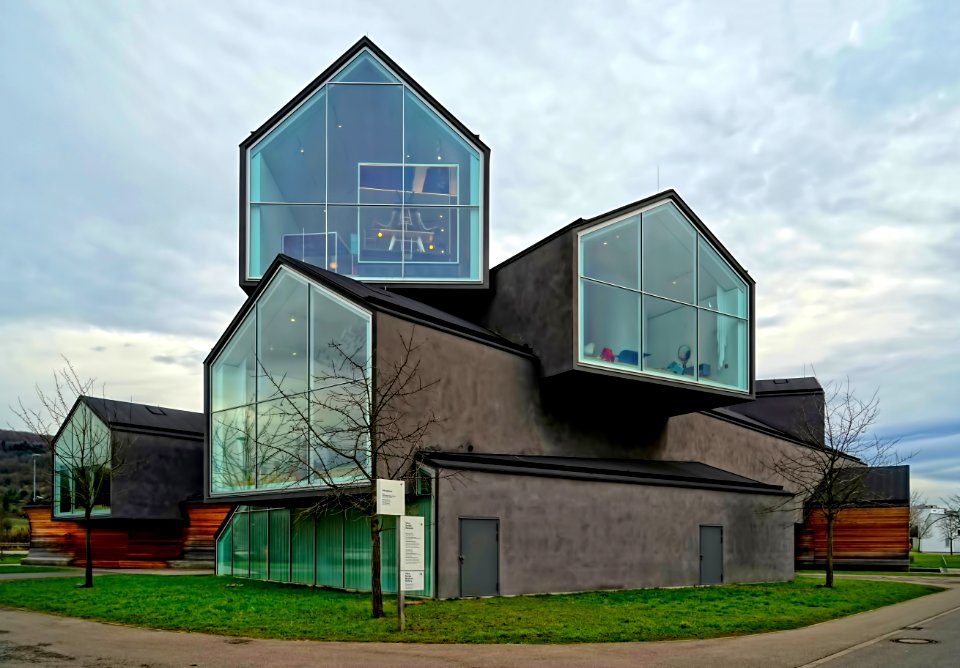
[292, 319]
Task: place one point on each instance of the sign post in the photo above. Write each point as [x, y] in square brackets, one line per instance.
[411, 560]
[391, 500]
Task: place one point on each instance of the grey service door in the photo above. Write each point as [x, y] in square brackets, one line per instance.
[711, 555]
[479, 557]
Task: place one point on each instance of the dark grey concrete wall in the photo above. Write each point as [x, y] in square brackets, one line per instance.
[489, 401]
[532, 303]
[561, 535]
[156, 474]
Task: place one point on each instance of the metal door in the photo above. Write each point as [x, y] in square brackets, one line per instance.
[479, 557]
[711, 555]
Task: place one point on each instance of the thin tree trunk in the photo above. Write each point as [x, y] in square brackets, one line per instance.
[88, 555]
[376, 588]
[829, 581]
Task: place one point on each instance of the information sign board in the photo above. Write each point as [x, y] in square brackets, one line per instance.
[390, 497]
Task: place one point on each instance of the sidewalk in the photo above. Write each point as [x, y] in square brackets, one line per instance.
[34, 639]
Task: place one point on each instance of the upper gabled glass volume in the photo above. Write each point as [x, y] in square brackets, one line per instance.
[365, 178]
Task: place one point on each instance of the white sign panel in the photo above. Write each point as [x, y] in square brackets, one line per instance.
[411, 543]
[390, 497]
[412, 580]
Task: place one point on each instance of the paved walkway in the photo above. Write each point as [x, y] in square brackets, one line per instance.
[32, 639]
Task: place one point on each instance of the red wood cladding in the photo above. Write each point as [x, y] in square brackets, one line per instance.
[858, 533]
[128, 544]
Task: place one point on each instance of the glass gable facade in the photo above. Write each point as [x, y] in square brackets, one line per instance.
[367, 180]
[286, 389]
[656, 298]
[81, 465]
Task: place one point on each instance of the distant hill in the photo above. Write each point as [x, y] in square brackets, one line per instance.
[16, 465]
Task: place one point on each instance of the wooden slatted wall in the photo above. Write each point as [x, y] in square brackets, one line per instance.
[858, 533]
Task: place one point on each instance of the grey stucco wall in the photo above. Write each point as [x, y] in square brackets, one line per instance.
[560, 535]
[157, 474]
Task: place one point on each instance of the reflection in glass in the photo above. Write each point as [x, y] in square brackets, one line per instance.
[720, 289]
[282, 335]
[234, 373]
[233, 450]
[298, 231]
[611, 325]
[282, 438]
[669, 254]
[723, 350]
[611, 254]
[669, 338]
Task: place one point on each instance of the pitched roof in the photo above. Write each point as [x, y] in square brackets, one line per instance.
[374, 299]
[631, 471]
[128, 416]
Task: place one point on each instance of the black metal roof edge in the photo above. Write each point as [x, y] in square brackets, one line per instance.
[571, 474]
[774, 389]
[361, 44]
[151, 431]
[319, 275]
[662, 196]
[500, 461]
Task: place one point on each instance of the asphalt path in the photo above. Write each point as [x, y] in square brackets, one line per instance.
[32, 639]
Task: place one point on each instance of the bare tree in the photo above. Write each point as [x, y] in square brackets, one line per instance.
[921, 520]
[358, 423]
[83, 455]
[950, 520]
[827, 476]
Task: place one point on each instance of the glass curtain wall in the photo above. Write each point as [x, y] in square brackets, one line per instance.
[365, 179]
[82, 455]
[330, 549]
[657, 298]
[286, 390]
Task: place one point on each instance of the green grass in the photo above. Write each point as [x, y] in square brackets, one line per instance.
[30, 569]
[925, 560]
[263, 610]
[11, 558]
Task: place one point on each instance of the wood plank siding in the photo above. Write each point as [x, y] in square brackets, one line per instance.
[860, 535]
[128, 543]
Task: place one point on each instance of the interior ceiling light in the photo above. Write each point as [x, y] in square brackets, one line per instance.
[292, 319]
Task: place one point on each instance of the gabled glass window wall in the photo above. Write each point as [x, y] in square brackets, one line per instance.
[366, 180]
[82, 465]
[656, 298]
[288, 390]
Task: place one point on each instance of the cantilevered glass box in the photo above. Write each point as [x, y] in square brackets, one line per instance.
[366, 175]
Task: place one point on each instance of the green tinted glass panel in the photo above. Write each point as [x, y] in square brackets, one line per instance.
[279, 545]
[612, 254]
[233, 450]
[330, 550]
[365, 68]
[388, 554]
[423, 507]
[282, 338]
[356, 551]
[259, 527]
[303, 543]
[241, 544]
[225, 552]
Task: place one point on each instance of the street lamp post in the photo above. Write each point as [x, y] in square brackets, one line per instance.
[35, 455]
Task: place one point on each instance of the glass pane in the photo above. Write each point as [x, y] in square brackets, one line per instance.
[356, 551]
[724, 356]
[720, 288]
[225, 552]
[241, 544]
[282, 335]
[364, 127]
[612, 254]
[365, 68]
[669, 254]
[610, 326]
[280, 545]
[233, 450]
[259, 526]
[381, 184]
[369, 241]
[444, 169]
[297, 231]
[289, 164]
[234, 373]
[303, 546]
[330, 550]
[282, 437]
[669, 338]
[445, 244]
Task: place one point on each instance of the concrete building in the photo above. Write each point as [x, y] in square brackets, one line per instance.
[601, 426]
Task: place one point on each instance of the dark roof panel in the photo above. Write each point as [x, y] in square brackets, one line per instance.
[127, 415]
[635, 471]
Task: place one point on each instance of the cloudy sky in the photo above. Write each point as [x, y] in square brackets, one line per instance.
[819, 141]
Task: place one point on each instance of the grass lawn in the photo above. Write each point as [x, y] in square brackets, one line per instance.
[928, 560]
[10, 563]
[263, 610]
